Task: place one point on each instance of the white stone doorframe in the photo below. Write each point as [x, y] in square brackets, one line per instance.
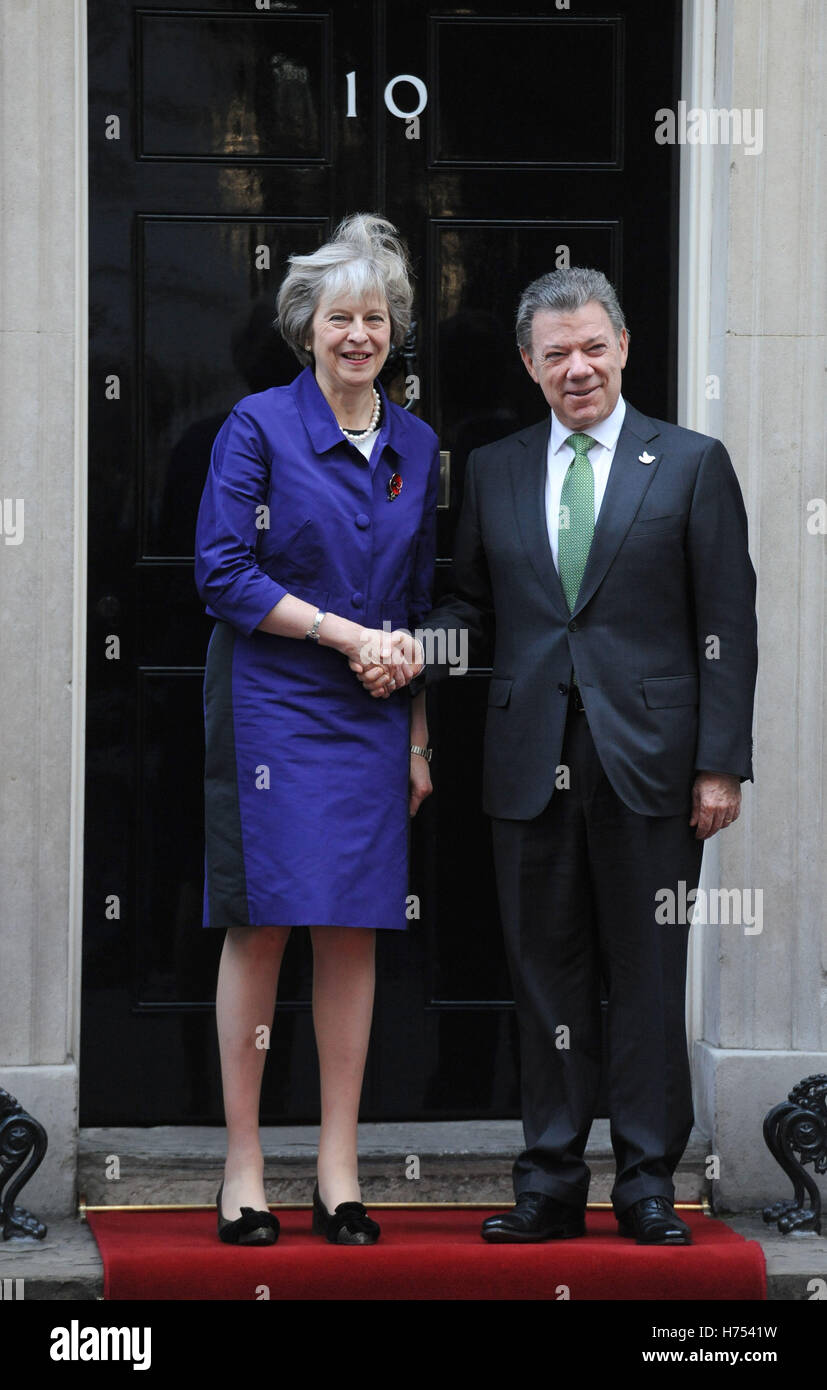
[43, 366]
[79, 602]
[752, 315]
[696, 289]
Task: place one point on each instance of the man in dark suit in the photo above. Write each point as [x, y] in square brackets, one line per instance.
[601, 564]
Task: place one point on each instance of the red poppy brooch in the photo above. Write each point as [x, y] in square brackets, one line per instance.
[394, 486]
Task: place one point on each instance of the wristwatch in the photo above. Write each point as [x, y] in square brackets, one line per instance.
[425, 753]
[312, 635]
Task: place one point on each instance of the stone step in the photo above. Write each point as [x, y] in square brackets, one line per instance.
[454, 1161]
[458, 1162]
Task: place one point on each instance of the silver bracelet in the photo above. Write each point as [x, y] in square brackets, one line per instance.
[426, 753]
[312, 635]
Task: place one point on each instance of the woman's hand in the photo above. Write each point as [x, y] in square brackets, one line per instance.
[386, 661]
[420, 782]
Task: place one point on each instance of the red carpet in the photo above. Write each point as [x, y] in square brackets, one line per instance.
[422, 1254]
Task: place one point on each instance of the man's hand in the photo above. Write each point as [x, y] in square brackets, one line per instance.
[420, 782]
[387, 661]
[375, 679]
[716, 802]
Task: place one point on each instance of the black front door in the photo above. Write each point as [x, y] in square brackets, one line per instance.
[223, 137]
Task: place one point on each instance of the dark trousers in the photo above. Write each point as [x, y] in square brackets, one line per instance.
[577, 898]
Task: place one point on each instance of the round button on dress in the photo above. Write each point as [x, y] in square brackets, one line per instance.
[306, 775]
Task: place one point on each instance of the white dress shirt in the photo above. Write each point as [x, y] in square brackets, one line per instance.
[560, 455]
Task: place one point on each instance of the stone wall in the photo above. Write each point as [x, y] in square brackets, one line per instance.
[764, 996]
[40, 432]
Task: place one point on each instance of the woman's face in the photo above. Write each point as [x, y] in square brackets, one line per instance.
[350, 342]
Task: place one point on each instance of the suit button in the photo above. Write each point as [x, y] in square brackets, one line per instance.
[357, 599]
[563, 688]
[572, 626]
[362, 520]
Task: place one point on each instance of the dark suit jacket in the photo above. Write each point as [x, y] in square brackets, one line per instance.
[668, 573]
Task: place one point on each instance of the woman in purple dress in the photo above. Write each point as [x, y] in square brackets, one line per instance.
[314, 548]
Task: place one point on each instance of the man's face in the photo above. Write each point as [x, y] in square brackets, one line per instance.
[577, 362]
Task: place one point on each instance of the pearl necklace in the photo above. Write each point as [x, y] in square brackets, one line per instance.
[374, 419]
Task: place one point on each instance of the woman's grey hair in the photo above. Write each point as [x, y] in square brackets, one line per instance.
[564, 291]
[364, 257]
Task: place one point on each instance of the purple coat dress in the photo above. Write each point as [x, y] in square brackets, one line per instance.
[306, 776]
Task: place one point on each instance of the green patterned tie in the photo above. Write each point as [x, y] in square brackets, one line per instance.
[576, 527]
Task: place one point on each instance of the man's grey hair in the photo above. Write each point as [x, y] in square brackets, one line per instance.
[364, 258]
[562, 292]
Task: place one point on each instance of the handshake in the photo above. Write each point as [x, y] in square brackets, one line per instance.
[386, 661]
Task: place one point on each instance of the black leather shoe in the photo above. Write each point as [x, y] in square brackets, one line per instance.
[349, 1224]
[251, 1227]
[652, 1221]
[535, 1217]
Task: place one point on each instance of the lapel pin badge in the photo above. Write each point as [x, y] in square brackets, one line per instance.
[646, 458]
[394, 486]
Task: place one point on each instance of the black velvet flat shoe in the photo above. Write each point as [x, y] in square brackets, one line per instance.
[349, 1224]
[251, 1227]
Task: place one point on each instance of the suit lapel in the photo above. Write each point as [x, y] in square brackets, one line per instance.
[628, 481]
[528, 481]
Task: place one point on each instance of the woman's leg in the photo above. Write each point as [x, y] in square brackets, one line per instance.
[343, 986]
[248, 978]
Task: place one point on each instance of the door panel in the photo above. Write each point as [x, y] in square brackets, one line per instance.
[536, 69]
[222, 138]
[199, 283]
[224, 86]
